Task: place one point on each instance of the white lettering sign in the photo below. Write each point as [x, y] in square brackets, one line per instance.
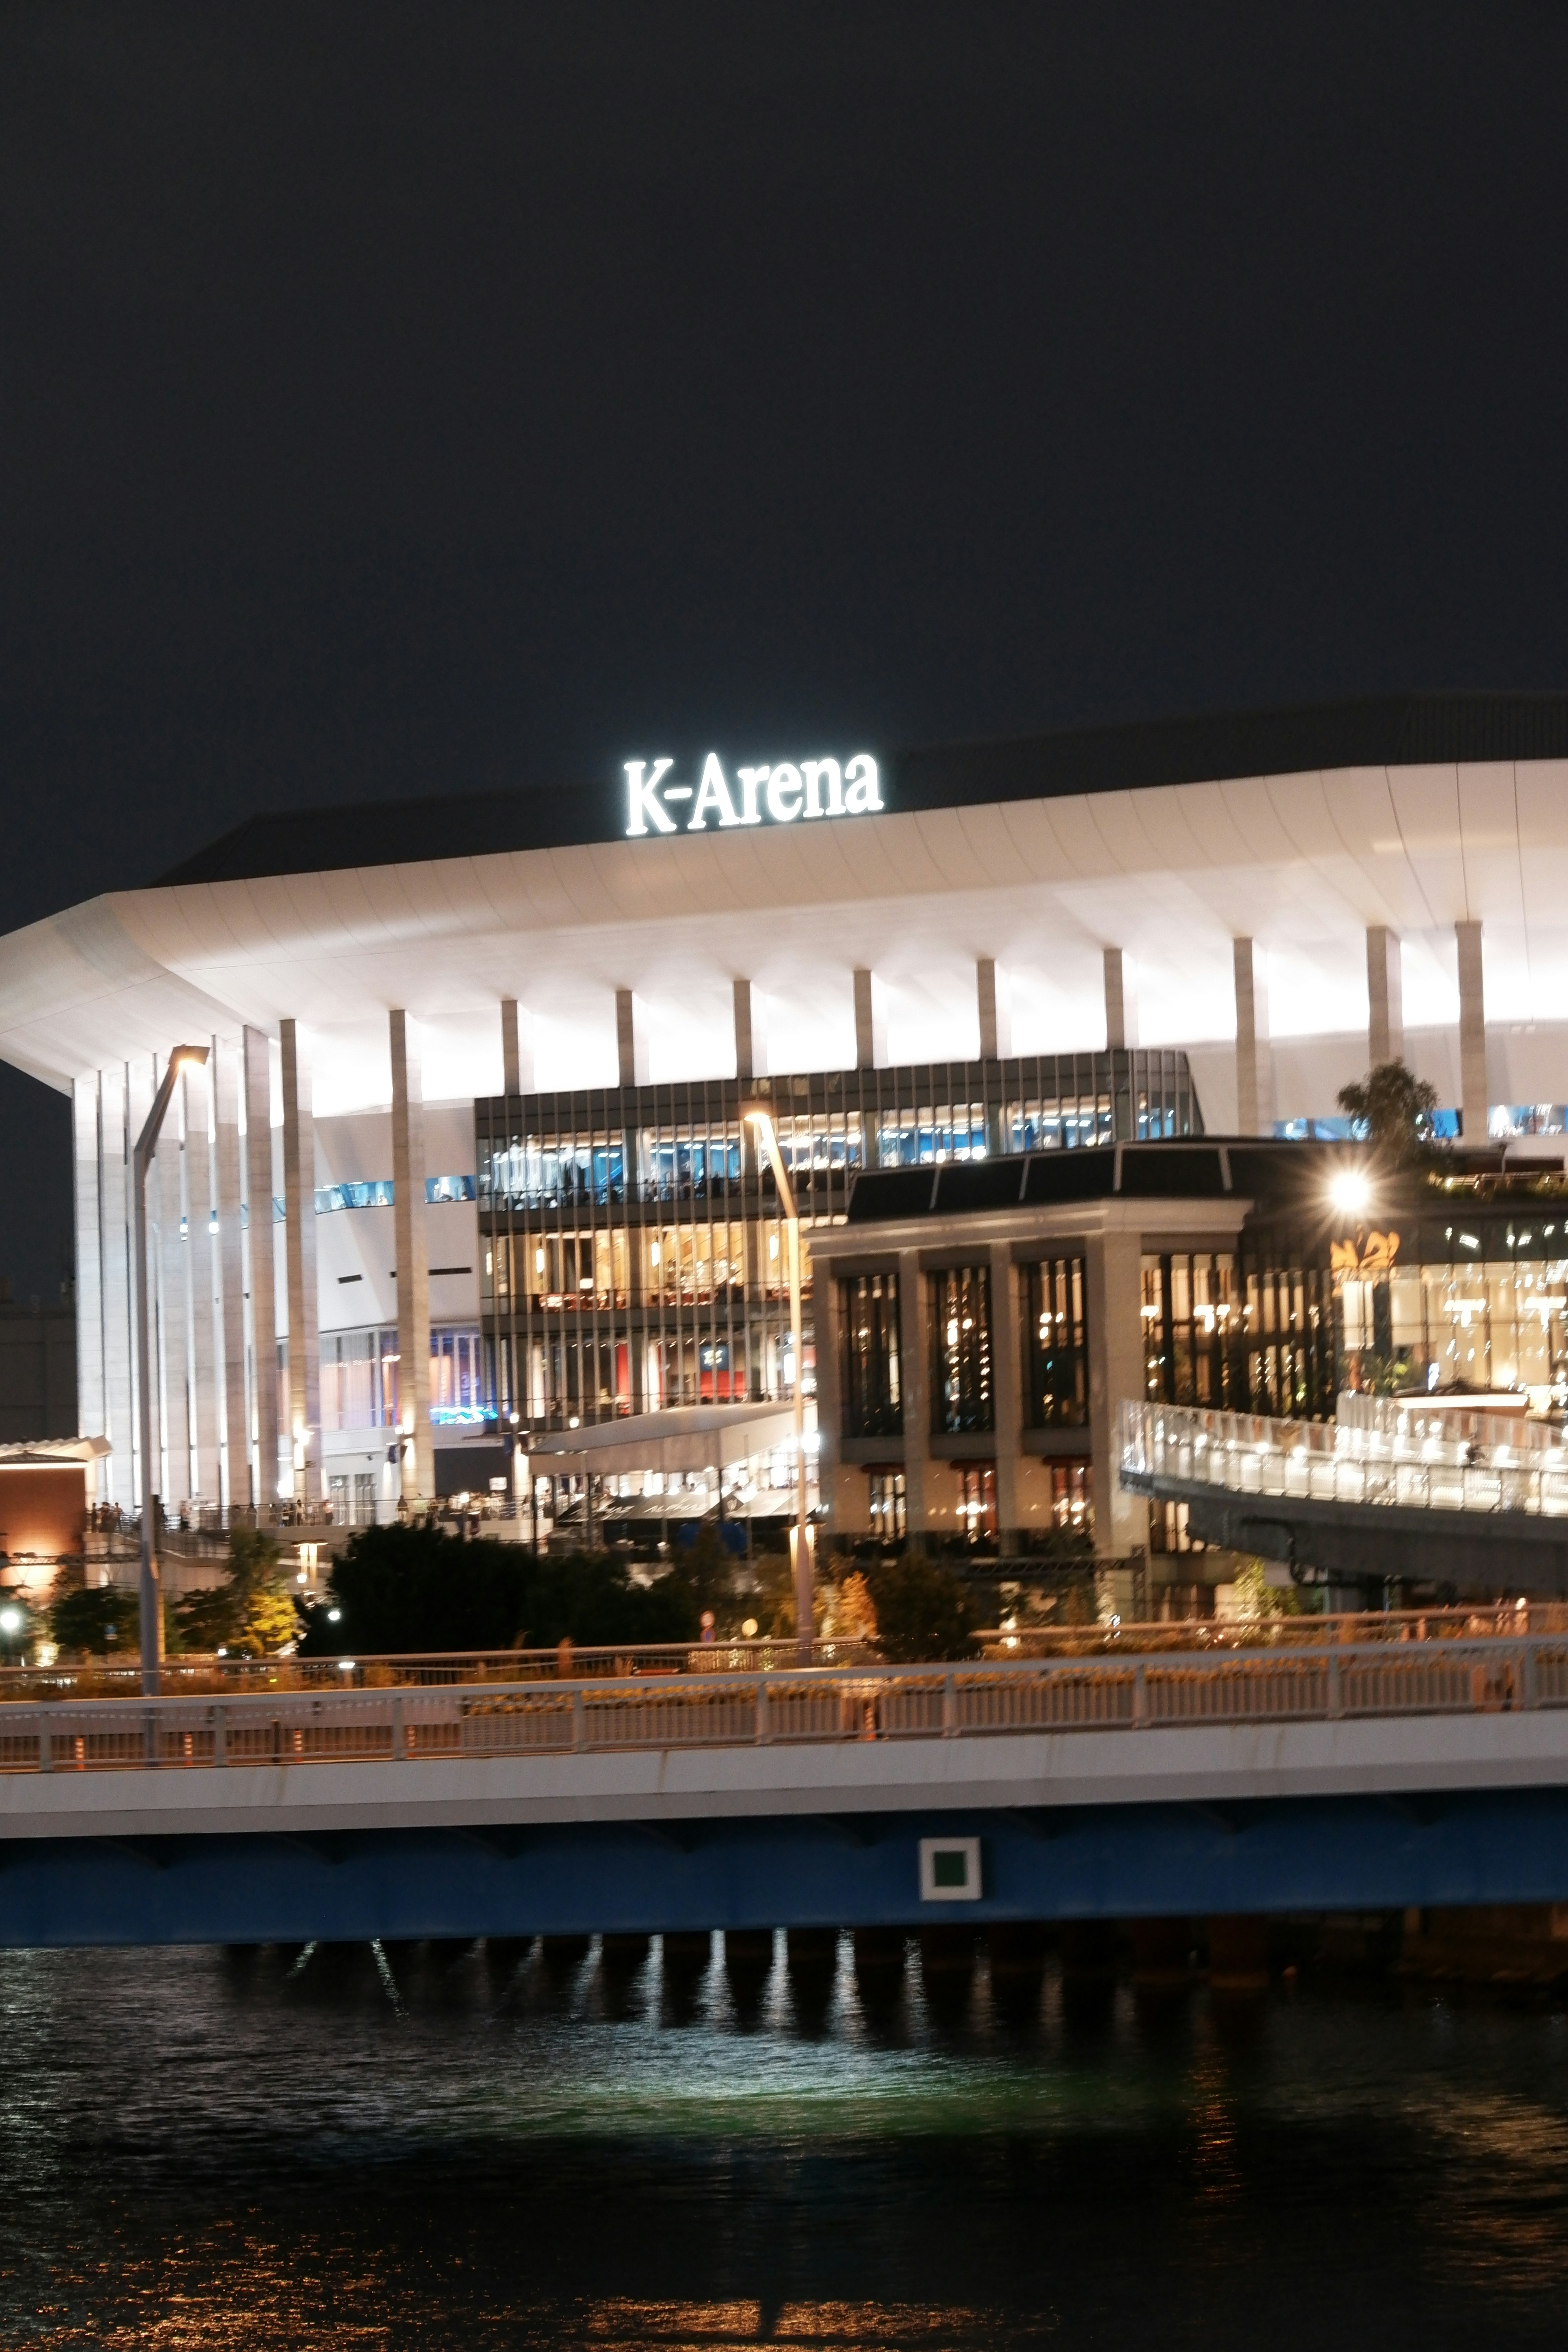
[772, 795]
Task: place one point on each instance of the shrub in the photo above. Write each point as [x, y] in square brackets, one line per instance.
[94, 1620]
[251, 1613]
[923, 1612]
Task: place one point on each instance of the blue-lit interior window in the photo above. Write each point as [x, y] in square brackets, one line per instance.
[450, 1188]
[689, 1168]
[552, 1175]
[458, 1390]
[922, 1138]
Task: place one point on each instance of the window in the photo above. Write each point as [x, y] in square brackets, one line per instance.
[889, 1522]
[457, 1386]
[869, 1307]
[961, 1350]
[1058, 1345]
[977, 1502]
[1072, 1497]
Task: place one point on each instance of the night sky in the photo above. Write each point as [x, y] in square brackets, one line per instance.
[399, 399]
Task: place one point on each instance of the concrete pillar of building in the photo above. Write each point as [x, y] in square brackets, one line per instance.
[1474, 1094]
[1121, 1005]
[237, 1466]
[1115, 1375]
[260, 1266]
[202, 1274]
[1254, 1062]
[87, 1156]
[516, 1047]
[1007, 1391]
[173, 1481]
[914, 1382]
[827, 1340]
[751, 1040]
[413, 1264]
[870, 1022]
[140, 1083]
[1384, 996]
[304, 1432]
[995, 1011]
[117, 1477]
[631, 1042]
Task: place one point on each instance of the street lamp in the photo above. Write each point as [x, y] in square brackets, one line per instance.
[151, 1595]
[767, 1136]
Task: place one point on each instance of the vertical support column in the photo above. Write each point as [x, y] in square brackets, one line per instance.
[1115, 1374]
[172, 1479]
[412, 1264]
[234, 1422]
[1007, 1391]
[825, 1329]
[89, 1385]
[1254, 1064]
[914, 1379]
[1121, 1005]
[117, 1478]
[995, 1010]
[870, 1022]
[261, 1268]
[206, 1311]
[1474, 1092]
[516, 1047]
[140, 1083]
[631, 1049]
[299, 1248]
[751, 1044]
[1384, 997]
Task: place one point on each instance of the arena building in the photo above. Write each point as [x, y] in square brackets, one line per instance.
[467, 1173]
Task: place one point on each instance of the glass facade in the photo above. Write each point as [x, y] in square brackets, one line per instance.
[1240, 1332]
[977, 1502]
[868, 1319]
[961, 1391]
[1479, 1297]
[890, 1522]
[632, 1253]
[359, 1380]
[1058, 1345]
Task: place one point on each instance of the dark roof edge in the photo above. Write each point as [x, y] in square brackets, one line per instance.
[1404, 729]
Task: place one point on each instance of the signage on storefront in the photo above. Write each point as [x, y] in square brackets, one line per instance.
[788, 792]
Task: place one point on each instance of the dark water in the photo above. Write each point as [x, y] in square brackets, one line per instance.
[199, 2148]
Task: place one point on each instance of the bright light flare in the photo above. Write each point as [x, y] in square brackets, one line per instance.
[1350, 1192]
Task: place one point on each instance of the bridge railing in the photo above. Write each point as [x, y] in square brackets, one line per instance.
[1163, 1446]
[1128, 1693]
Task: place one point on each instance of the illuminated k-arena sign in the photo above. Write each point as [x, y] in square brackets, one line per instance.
[776, 795]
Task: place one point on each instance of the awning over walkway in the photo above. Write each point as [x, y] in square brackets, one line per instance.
[685, 1438]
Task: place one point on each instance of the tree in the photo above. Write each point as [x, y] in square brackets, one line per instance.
[1395, 1109]
[923, 1612]
[93, 1619]
[252, 1612]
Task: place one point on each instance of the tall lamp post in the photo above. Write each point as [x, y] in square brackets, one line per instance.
[150, 1597]
[767, 1136]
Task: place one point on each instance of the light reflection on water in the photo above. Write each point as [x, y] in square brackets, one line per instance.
[432, 2146]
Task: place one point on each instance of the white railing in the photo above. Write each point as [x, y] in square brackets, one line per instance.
[1127, 1694]
[1322, 1462]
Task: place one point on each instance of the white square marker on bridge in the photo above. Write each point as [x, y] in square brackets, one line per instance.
[950, 1870]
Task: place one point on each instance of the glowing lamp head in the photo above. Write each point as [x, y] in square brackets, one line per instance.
[10, 1620]
[1350, 1192]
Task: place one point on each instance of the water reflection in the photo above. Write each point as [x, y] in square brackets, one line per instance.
[823, 2141]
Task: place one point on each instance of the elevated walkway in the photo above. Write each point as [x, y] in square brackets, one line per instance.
[1384, 1496]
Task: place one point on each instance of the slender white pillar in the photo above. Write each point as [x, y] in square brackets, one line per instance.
[202, 1281]
[1254, 1062]
[172, 1415]
[412, 1264]
[299, 1248]
[1121, 1005]
[118, 1474]
[260, 1266]
[1007, 1388]
[517, 1047]
[1384, 997]
[751, 1042]
[871, 1025]
[87, 1156]
[631, 1045]
[995, 1010]
[1474, 1092]
[235, 1459]
[914, 1385]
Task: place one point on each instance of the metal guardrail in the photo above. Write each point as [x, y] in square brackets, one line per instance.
[1244, 1453]
[1507, 1621]
[1132, 1694]
[211, 1676]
